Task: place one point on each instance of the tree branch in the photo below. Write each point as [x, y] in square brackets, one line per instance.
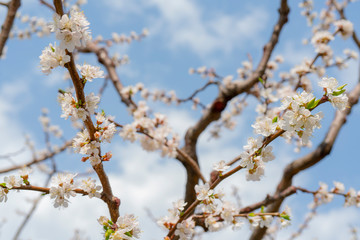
[303, 163]
[37, 160]
[224, 96]
[13, 6]
[107, 195]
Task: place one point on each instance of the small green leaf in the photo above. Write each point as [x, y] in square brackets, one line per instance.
[285, 216]
[341, 87]
[108, 233]
[311, 104]
[61, 91]
[337, 93]
[251, 214]
[261, 80]
[3, 184]
[275, 119]
[262, 209]
[317, 102]
[78, 104]
[128, 234]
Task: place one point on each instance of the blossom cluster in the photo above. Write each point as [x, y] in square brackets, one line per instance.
[36, 26]
[72, 31]
[336, 94]
[298, 119]
[52, 57]
[89, 72]
[323, 195]
[14, 181]
[63, 187]
[254, 158]
[322, 35]
[155, 131]
[216, 215]
[105, 130]
[122, 38]
[125, 228]
[167, 222]
[203, 71]
[77, 110]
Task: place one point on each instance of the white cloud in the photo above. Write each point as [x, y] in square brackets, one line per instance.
[13, 97]
[50, 223]
[331, 225]
[184, 24]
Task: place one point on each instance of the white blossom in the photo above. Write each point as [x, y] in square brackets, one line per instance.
[13, 181]
[52, 57]
[109, 132]
[256, 172]
[212, 224]
[89, 186]
[92, 103]
[128, 227]
[72, 32]
[203, 192]
[89, 72]
[266, 154]
[264, 126]
[352, 198]
[322, 195]
[265, 221]
[62, 188]
[339, 187]
[322, 37]
[228, 211]
[340, 102]
[253, 144]
[25, 171]
[185, 229]
[220, 166]
[285, 222]
[128, 132]
[345, 28]
[179, 205]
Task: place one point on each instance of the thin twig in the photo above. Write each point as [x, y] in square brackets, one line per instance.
[47, 5]
[37, 160]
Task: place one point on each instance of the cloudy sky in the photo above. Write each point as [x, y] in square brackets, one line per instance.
[183, 34]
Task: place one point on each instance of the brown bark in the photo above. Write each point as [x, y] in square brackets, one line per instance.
[224, 96]
[13, 6]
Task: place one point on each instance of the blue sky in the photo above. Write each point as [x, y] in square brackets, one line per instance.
[183, 34]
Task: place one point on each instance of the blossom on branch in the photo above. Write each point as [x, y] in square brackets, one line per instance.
[52, 57]
[89, 72]
[62, 188]
[125, 228]
[72, 31]
[91, 188]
